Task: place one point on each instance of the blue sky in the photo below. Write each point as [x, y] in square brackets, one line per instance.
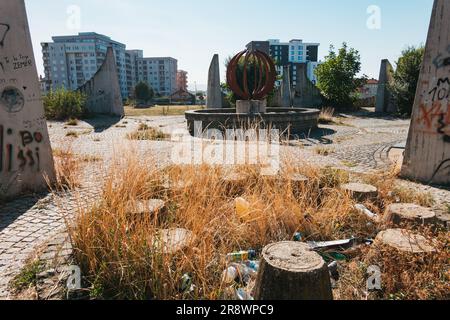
[192, 31]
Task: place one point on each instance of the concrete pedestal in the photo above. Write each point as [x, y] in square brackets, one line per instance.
[251, 106]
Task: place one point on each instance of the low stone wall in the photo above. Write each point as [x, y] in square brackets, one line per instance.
[288, 121]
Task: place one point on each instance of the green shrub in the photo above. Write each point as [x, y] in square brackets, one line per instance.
[63, 104]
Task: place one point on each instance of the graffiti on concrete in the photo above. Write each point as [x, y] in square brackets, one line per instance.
[442, 169]
[12, 99]
[442, 60]
[435, 110]
[4, 29]
[22, 155]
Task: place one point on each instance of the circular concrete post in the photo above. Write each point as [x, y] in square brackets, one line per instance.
[405, 241]
[361, 192]
[408, 212]
[291, 271]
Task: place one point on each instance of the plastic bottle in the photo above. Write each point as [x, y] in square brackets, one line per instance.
[298, 237]
[229, 275]
[241, 256]
[186, 284]
[243, 295]
[254, 265]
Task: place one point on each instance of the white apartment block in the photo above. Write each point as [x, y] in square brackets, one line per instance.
[291, 53]
[131, 61]
[159, 73]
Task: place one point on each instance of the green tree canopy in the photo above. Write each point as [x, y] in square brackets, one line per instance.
[337, 76]
[143, 92]
[406, 78]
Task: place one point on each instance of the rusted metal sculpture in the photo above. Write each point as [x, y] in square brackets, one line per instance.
[263, 70]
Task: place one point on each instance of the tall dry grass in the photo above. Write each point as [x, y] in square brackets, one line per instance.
[117, 249]
[67, 167]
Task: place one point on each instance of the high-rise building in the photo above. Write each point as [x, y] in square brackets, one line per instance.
[182, 80]
[290, 53]
[159, 73]
[132, 68]
[70, 61]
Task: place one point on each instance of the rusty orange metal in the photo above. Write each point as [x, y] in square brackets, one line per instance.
[264, 75]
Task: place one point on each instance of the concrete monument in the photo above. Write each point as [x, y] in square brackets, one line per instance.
[384, 98]
[103, 91]
[286, 92]
[427, 155]
[214, 94]
[25, 154]
[307, 95]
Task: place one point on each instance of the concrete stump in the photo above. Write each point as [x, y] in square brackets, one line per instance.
[149, 206]
[174, 188]
[408, 212]
[234, 183]
[361, 192]
[172, 240]
[298, 181]
[155, 208]
[291, 271]
[404, 241]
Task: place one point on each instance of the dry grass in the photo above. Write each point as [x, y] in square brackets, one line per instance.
[67, 167]
[324, 151]
[405, 276]
[326, 115]
[144, 132]
[72, 134]
[116, 249]
[90, 158]
[72, 122]
[160, 111]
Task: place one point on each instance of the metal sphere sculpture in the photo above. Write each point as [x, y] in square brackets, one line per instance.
[264, 75]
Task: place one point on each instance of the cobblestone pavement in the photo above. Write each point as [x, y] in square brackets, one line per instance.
[360, 143]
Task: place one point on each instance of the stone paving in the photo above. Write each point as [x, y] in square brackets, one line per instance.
[360, 144]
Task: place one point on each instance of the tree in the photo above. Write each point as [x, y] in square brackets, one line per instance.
[143, 92]
[406, 78]
[337, 76]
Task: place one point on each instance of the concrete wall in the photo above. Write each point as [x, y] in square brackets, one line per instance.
[427, 155]
[103, 89]
[306, 93]
[25, 152]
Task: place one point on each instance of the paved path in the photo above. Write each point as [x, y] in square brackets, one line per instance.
[27, 223]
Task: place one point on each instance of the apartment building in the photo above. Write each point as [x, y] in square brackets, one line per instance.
[290, 53]
[182, 80]
[70, 61]
[132, 69]
[159, 73]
